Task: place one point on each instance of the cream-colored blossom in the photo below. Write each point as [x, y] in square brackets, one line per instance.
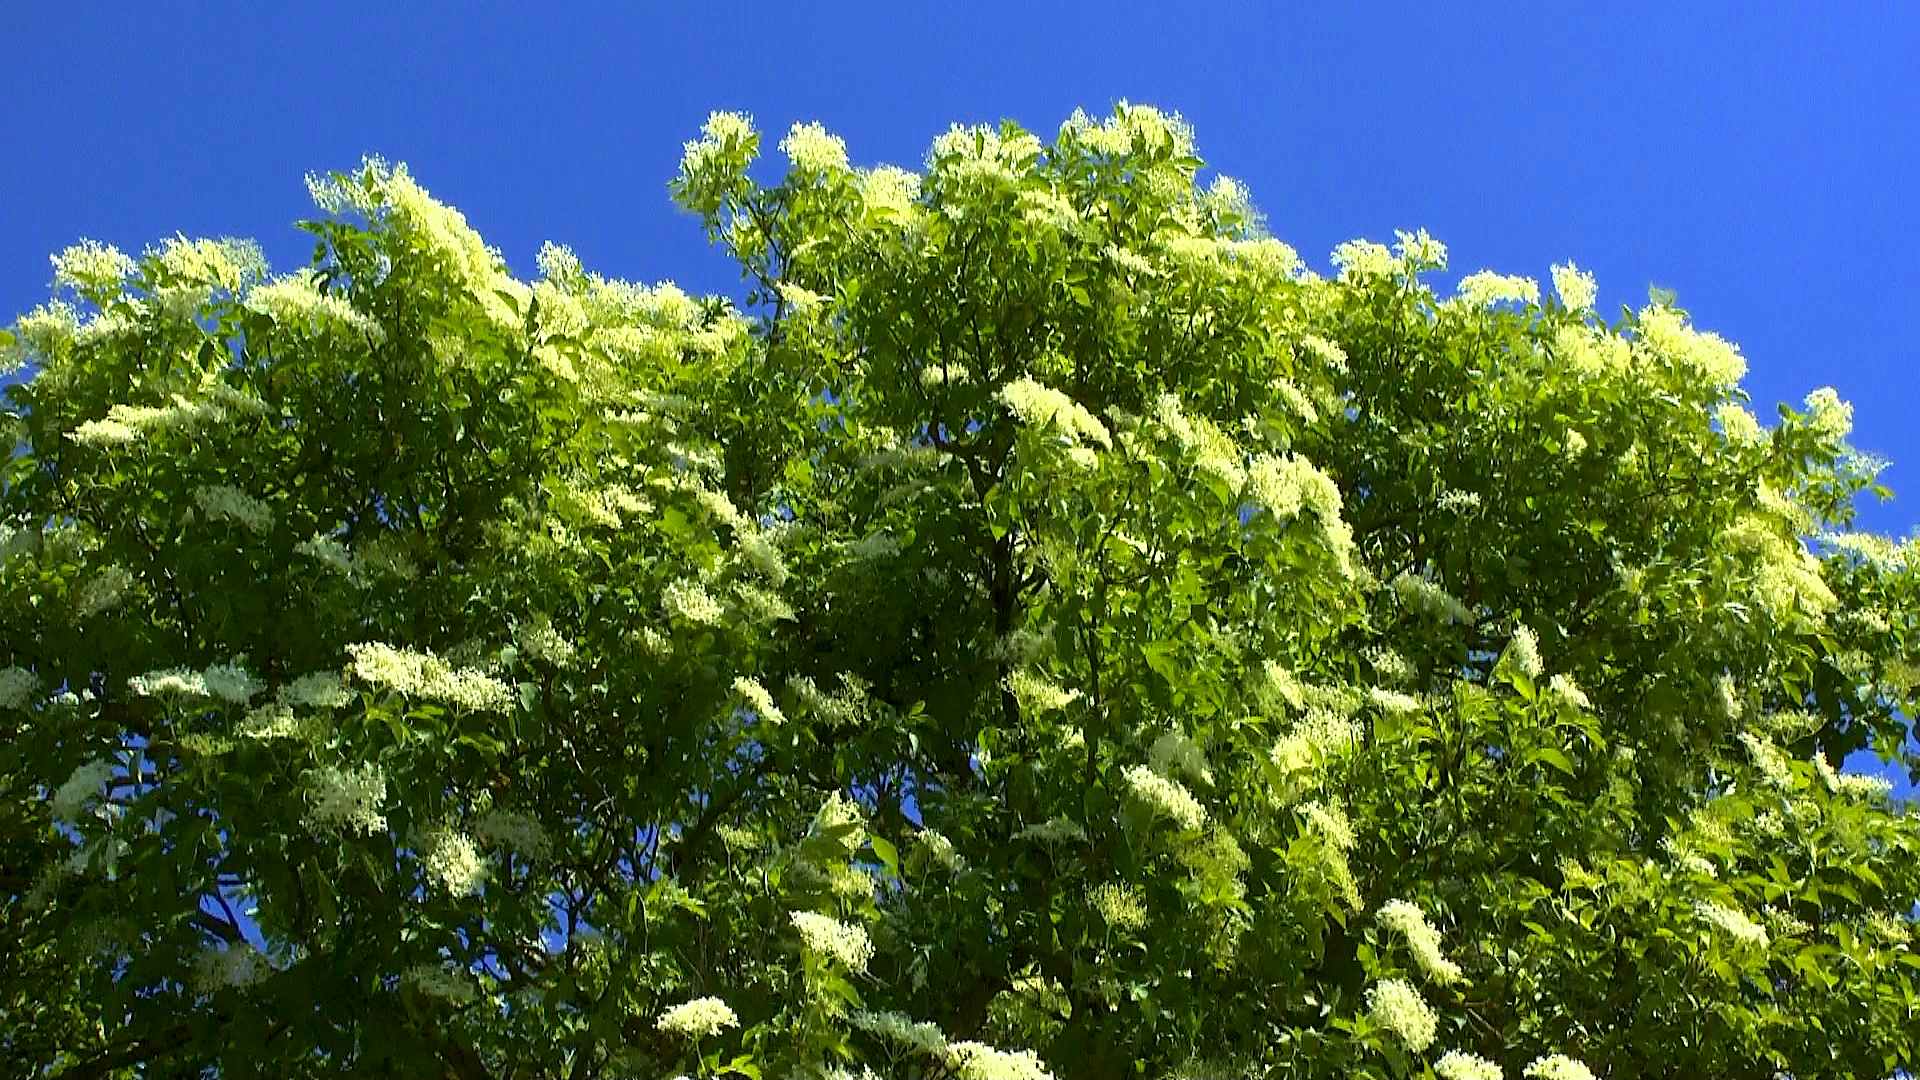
[1119, 905]
[86, 782]
[1456, 1065]
[223, 502]
[1563, 687]
[698, 1019]
[453, 863]
[978, 1061]
[1708, 357]
[1395, 1005]
[92, 268]
[1039, 406]
[1407, 920]
[346, 800]
[1166, 798]
[812, 148]
[758, 699]
[688, 600]
[902, 1031]
[828, 938]
[1486, 288]
[1358, 260]
[423, 675]
[17, 687]
[1558, 1067]
[1576, 287]
[1426, 596]
[1733, 924]
[1037, 694]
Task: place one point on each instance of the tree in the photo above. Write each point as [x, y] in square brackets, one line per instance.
[1043, 630]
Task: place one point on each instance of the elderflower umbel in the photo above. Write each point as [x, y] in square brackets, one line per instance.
[346, 800]
[91, 267]
[698, 1019]
[758, 699]
[812, 148]
[223, 502]
[424, 675]
[901, 1030]
[829, 938]
[1455, 1065]
[86, 782]
[1038, 694]
[1559, 1067]
[1395, 1005]
[17, 687]
[978, 1061]
[1576, 287]
[1119, 905]
[1486, 288]
[1523, 652]
[1040, 406]
[1406, 919]
[454, 864]
[1164, 797]
[1733, 924]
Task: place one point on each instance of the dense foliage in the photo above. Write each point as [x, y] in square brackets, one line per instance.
[1044, 630]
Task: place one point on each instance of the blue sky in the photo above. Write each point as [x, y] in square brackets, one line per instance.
[1760, 164]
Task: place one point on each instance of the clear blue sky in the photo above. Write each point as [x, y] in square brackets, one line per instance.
[1762, 165]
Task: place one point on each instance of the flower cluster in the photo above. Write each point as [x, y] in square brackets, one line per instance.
[1576, 287]
[222, 502]
[1038, 694]
[17, 687]
[812, 148]
[1426, 596]
[346, 800]
[902, 1030]
[1734, 924]
[828, 938]
[453, 863]
[423, 675]
[1039, 406]
[1396, 1006]
[1406, 919]
[1119, 905]
[978, 1061]
[1166, 798]
[1523, 652]
[1455, 1065]
[1486, 288]
[758, 699]
[698, 1019]
[85, 783]
[1559, 1067]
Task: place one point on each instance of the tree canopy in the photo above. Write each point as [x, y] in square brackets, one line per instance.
[1041, 628]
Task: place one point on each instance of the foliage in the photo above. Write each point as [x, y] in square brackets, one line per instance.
[1046, 630]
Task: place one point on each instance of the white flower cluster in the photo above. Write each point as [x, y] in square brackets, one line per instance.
[1486, 288]
[1394, 702]
[228, 682]
[17, 687]
[1396, 1006]
[540, 641]
[889, 189]
[978, 1061]
[698, 1019]
[1559, 1067]
[125, 424]
[758, 699]
[828, 938]
[836, 815]
[236, 967]
[346, 800]
[423, 675]
[222, 502]
[1828, 415]
[939, 849]
[1576, 287]
[1708, 357]
[1563, 687]
[316, 690]
[92, 267]
[902, 1030]
[1057, 830]
[1523, 652]
[445, 983]
[514, 831]
[1427, 597]
[1738, 425]
[86, 782]
[1406, 919]
[1734, 924]
[1284, 485]
[1454, 1065]
[1119, 905]
[1037, 694]
[1039, 406]
[812, 148]
[689, 601]
[1772, 765]
[296, 303]
[1166, 798]
[453, 863]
